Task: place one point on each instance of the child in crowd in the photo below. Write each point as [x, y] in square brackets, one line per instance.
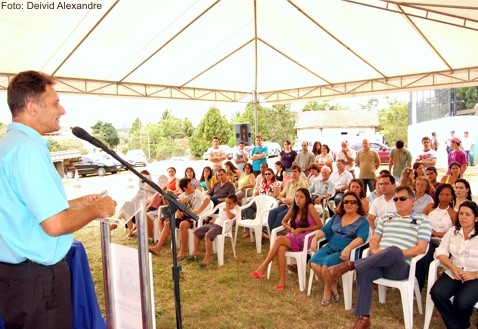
[214, 228]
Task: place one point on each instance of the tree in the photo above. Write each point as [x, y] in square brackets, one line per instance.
[393, 122]
[274, 124]
[212, 124]
[323, 106]
[55, 145]
[466, 97]
[134, 135]
[105, 132]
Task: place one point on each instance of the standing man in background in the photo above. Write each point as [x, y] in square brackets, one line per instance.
[36, 218]
[305, 159]
[368, 162]
[240, 157]
[259, 154]
[215, 155]
[468, 144]
[400, 158]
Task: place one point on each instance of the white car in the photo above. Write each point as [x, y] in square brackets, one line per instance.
[136, 157]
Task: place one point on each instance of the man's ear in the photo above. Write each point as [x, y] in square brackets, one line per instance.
[31, 108]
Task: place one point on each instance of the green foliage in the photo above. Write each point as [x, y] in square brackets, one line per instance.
[274, 124]
[466, 98]
[134, 135]
[55, 145]
[323, 106]
[105, 132]
[212, 124]
[393, 122]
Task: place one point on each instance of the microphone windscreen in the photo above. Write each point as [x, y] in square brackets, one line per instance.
[80, 133]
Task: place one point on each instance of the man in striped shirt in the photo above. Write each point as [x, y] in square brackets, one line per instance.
[398, 237]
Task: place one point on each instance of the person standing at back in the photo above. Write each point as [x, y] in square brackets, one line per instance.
[259, 154]
[215, 154]
[457, 154]
[287, 156]
[36, 218]
[400, 158]
[305, 158]
[368, 162]
[240, 157]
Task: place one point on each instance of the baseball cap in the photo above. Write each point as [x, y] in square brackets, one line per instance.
[456, 140]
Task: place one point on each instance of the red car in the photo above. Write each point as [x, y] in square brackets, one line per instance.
[382, 150]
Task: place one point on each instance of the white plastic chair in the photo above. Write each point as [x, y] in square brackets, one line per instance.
[156, 217]
[264, 204]
[406, 287]
[432, 277]
[300, 256]
[347, 278]
[208, 208]
[218, 243]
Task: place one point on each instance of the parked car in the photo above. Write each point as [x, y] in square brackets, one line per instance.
[382, 150]
[88, 166]
[136, 157]
[273, 148]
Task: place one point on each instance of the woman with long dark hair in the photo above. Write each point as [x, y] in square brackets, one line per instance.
[316, 148]
[346, 230]
[301, 219]
[454, 173]
[356, 186]
[205, 179]
[458, 252]
[463, 191]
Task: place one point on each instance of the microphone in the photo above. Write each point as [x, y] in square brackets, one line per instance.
[81, 133]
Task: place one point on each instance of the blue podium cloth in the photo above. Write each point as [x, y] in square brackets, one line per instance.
[86, 311]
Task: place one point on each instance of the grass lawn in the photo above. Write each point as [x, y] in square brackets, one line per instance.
[227, 298]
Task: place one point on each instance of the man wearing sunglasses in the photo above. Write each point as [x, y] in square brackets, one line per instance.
[399, 236]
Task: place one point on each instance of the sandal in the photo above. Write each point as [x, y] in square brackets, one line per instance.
[326, 302]
[336, 298]
[192, 258]
[181, 258]
[256, 275]
[280, 287]
[202, 265]
[292, 268]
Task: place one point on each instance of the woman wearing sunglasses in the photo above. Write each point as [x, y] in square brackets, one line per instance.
[344, 231]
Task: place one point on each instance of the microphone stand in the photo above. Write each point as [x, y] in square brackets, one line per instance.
[174, 205]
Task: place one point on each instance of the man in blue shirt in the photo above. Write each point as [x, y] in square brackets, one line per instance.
[259, 154]
[36, 219]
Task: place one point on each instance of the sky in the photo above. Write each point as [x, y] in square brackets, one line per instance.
[86, 110]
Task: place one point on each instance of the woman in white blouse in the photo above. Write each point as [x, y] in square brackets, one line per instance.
[458, 252]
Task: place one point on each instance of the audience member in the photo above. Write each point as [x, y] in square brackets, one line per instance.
[422, 188]
[196, 202]
[287, 156]
[348, 155]
[454, 173]
[206, 178]
[314, 174]
[457, 154]
[240, 157]
[434, 141]
[286, 198]
[232, 172]
[356, 186]
[216, 155]
[260, 177]
[407, 178]
[221, 189]
[300, 219]
[431, 173]
[305, 158]
[323, 188]
[463, 191]
[346, 230]
[280, 171]
[246, 181]
[341, 179]
[384, 203]
[400, 158]
[442, 216]
[173, 182]
[325, 158]
[316, 148]
[458, 254]
[429, 156]
[418, 170]
[399, 236]
[211, 230]
[191, 174]
[448, 142]
[259, 154]
[368, 162]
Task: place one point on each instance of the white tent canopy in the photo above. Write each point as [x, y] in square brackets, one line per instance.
[224, 50]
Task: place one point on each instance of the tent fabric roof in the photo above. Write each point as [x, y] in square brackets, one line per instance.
[225, 50]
